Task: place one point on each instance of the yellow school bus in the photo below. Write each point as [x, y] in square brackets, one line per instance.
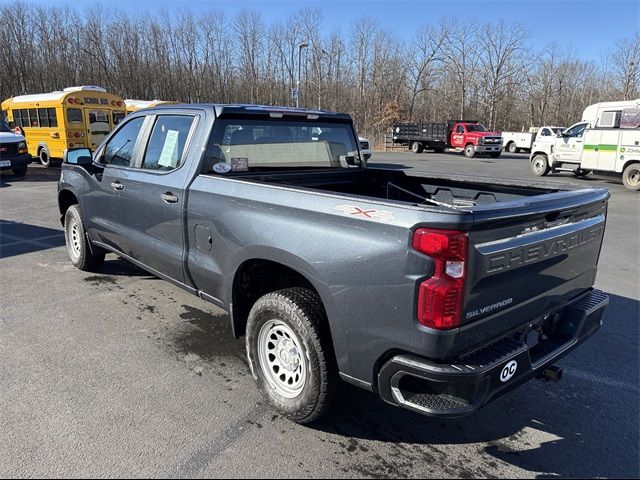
[135, 105]
[75, 117]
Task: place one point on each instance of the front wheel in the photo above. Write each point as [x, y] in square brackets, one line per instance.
[469, 151]
[631, 177]
[290, 353]
[540, 165]
[78, 248]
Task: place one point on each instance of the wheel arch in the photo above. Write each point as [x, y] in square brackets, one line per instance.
[66, 198]
[258, 276]
[629, 162]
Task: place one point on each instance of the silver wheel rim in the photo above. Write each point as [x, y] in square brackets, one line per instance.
[73, 238]
[281, 359]
[469, 151]
[538, 165]
[633, 177]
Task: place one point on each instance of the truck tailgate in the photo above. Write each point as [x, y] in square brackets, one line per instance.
[524, 265]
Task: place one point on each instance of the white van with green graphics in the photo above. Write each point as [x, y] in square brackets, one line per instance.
[606, 140]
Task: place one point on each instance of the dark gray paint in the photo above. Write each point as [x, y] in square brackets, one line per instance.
[364, 269]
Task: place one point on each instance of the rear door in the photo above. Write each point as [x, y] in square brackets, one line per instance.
[98, 126]
[155, 194]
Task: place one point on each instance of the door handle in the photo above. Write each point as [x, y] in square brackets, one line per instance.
[169, 197]
[117, 185]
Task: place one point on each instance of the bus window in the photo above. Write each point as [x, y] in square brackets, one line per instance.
[74, 115]
[43, 117]
[33, 117]
[53, 119]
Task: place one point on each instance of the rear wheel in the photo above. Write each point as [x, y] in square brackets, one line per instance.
[45, 159]
[417, 147]
[20, 172]
[540, 165]
[78, 247]
[631, 177]
[291, 355]
[470, 151]
[512, 147]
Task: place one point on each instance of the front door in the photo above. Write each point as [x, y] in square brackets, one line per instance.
[103, 200]
[570, 146]
[155, 196]
[457, 137]
[98, 128]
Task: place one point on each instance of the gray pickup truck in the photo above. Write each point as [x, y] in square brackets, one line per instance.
[437, 293]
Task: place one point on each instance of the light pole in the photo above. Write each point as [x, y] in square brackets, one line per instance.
[300, 47]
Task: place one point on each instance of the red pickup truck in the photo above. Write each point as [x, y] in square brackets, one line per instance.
[465, 136]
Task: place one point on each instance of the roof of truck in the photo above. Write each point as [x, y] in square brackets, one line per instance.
[248, 109]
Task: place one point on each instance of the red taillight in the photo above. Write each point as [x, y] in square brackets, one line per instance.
[440, 297]
[120, 103]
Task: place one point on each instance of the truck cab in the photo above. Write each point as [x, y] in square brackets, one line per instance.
[473, 138]
[606, 140]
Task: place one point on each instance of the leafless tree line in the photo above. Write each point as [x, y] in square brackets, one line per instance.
[452, 69]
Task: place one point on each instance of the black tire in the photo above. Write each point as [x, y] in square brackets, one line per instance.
[301, 311]
[82, 255]
[417, 147]
[540, 165]
[579, 172]
[20, 172]
[631, 177]
[45, 159]
[495, 154]
[511, 147]
[469, 151]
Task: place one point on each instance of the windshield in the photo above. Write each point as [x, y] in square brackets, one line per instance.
[476, 128]
[4, 127]
[245, 145]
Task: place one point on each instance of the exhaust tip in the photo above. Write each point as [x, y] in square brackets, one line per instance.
[552, 373]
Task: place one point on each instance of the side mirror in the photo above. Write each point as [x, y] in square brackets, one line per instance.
[78, 156]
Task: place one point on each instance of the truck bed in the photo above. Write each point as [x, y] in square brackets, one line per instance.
[452, 192]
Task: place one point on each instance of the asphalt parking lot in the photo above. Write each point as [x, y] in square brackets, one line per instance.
[121, 374]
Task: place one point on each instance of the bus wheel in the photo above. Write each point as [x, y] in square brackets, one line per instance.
[45, 159]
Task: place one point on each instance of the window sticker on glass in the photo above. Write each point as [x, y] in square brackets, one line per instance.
[239, 164]
[169, 155]
[222, 168]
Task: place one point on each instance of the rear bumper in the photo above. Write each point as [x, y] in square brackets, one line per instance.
[15, 161]
[462, 387]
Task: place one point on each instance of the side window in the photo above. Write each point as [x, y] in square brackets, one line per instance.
[610, 119]
[33, 117]
[577, 131]
[119, 149]
[43, 117]
[53, 119]
[167, 142]
[545, 132]
[460, 129]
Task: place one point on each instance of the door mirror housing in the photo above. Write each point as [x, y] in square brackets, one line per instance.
[78, 156]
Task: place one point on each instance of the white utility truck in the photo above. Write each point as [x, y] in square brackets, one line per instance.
[606, 140]
[515, 142]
